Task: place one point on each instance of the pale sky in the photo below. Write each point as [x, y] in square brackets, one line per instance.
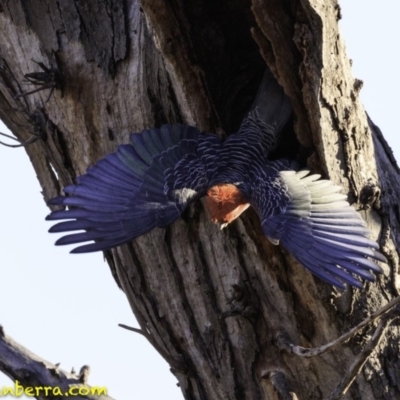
[66, 308]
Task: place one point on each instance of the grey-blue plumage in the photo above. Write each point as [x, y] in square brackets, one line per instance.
[149, 182]
[138, 187]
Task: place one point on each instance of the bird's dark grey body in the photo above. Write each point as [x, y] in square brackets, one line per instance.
[150, 182]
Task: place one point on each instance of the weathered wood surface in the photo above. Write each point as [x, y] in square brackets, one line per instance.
[40, 377]
[214, 303]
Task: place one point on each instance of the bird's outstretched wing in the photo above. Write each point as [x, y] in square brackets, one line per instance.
[320, 229]
[143, 185]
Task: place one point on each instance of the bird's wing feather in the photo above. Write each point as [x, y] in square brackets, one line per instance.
[267, 116]
[321, 230]
[143, 185]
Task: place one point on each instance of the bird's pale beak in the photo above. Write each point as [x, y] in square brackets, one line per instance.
[222, 226]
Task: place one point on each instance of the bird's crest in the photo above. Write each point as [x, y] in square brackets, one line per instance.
[225, 203]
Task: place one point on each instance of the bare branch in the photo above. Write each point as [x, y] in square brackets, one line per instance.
[48, 78]
[32, 139]
[361, 359]
[130, 328]
[84, 374]
[31, 371]
[177, 364]
[284, 342]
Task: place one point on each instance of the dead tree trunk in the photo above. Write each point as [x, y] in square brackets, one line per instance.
[222, 308]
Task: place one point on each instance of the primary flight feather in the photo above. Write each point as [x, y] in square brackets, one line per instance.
[149, 183]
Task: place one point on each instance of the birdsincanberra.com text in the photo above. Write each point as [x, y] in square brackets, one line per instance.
[49, 391]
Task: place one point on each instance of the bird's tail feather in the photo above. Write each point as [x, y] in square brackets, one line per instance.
[273, 105]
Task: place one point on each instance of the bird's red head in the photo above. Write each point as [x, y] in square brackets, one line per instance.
[225, 203]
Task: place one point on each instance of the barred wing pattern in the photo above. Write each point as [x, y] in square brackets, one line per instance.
[322, 231]
[143, 185]
[245, 153]
[148, 184]
[267, 116]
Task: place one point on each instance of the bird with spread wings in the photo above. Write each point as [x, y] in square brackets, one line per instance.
[149, 182]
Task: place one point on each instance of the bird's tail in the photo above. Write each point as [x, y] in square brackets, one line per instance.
[270, 111]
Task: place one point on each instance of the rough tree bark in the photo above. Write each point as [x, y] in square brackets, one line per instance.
[223, 308]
